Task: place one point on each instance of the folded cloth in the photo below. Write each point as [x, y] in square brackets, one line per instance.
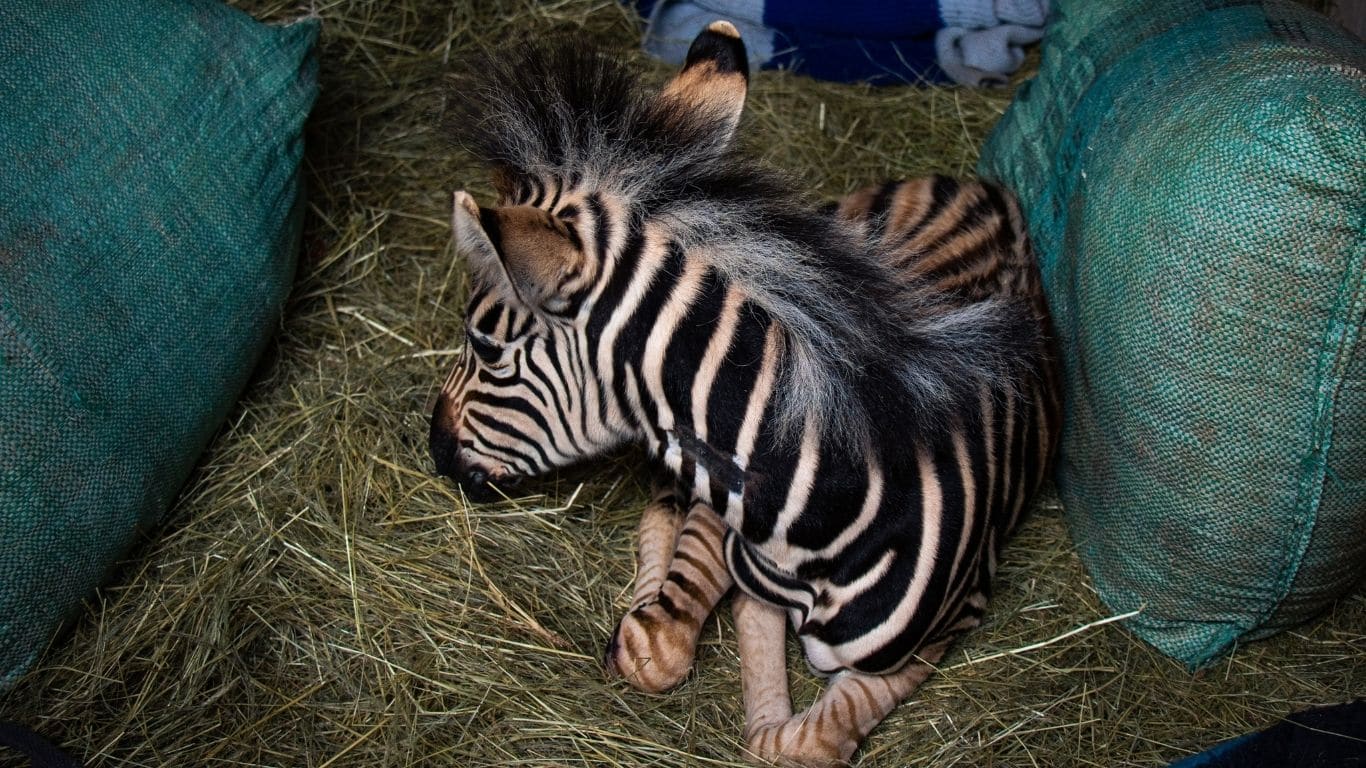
[980, 14]
[970, 42]
[983, 56]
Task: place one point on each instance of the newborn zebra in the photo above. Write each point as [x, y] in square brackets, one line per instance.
[853, 407]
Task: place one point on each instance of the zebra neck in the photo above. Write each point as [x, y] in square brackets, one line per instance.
[706, 419]
[719, 467]
[708, 473]
[697, 363]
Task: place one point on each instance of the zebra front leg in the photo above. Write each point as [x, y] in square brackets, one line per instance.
[827, 733]
[654, 645]
[761, 633]
[656, 540]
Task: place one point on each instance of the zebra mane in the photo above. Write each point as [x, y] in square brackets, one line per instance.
[867, 355]
[556, 109]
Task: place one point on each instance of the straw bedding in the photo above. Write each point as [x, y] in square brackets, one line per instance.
[318, 598]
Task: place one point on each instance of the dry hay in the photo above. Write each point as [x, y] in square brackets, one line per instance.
[319, 599]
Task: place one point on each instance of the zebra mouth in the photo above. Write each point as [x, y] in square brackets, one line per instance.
[480, 488]
[478, 485]
[477, 489]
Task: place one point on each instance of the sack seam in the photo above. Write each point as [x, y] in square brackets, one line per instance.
[1339, 342]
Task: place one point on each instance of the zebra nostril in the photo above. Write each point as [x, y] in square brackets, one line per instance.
[475, 485]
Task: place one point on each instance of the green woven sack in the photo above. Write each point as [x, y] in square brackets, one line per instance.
[150, 207]
[1195, 180]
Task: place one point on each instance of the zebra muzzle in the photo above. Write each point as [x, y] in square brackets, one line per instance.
[473, 481]
[445, 450]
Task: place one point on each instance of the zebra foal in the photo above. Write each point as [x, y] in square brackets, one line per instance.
[851, 407]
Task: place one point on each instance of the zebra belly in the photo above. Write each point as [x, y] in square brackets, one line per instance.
[830, 619]
[917, 575]
[823, 659]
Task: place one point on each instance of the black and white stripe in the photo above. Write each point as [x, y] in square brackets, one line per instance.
[866, 399]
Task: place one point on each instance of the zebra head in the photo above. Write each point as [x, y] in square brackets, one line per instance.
[576, 150]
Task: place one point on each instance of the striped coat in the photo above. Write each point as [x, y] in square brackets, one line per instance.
[852, 407]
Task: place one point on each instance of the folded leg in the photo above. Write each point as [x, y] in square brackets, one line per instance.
[656, 540]
[828, 732]
[680, 580]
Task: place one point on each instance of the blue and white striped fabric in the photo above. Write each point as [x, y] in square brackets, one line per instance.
[971, 42]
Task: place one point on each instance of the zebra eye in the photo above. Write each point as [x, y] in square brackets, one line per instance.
[486, 350]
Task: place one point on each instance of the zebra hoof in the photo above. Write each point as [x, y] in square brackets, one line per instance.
[652, 656]
[781, 745]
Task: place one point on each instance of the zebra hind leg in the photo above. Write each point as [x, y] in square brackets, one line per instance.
[680, 580]
[827, 733]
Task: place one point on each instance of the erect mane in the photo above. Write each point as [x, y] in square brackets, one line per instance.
[867, 354]
[557, 109]
[870, 355]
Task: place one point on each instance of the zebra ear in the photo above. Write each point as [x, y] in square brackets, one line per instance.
[521, 246]
[714, 78]
[473, 241]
